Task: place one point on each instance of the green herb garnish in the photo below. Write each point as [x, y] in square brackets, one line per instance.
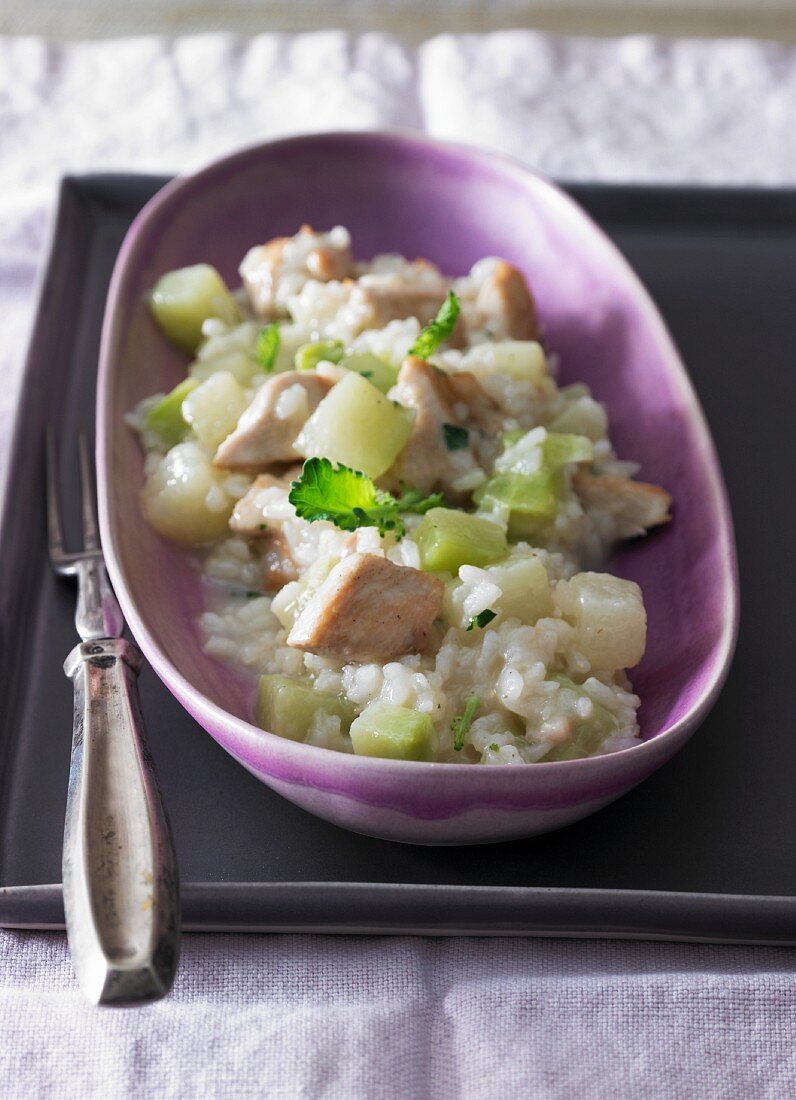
[461, 725]
[482, 619]
[494, 747]
[267, 348]
[350, 499]
[456, 438]
[430, 338]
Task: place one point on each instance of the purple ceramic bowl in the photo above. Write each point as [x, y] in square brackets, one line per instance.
[451, 205]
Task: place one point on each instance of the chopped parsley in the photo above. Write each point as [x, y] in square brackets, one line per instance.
[456, 438]
[349, 499]
[494, 747]
[435, 333]
[366, 373]
[461, 725]
[267, 348]
[482, 619]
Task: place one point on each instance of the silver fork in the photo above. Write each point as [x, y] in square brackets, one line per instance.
[121, 889]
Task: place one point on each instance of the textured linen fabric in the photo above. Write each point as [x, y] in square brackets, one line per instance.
[358, 1017]
[377, 1018]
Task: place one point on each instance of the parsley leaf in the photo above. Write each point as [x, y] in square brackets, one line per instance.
[456, 438]
[267, 347]
[461, 725]
[482, 619]
[430, 338]
[349, 499]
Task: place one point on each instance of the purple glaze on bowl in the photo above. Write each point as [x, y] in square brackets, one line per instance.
[452, 205]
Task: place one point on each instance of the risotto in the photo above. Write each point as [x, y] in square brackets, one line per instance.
[399, 516]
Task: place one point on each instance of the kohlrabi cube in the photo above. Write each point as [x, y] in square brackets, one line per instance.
[588, 733]
[522, 359]
[582, 416]
[183, 300]
[525, 587]
[287, 707]
[166, 418]
[396, 733]
[184, 498]
[448, 539]
[381, 374]
[214, 407]
[532, 499]
[560, 449]
[357, 426]
[608, 616]
[308, 356]
[529, 479]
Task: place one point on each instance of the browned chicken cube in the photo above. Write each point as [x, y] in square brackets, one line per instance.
[369, 609]
[279, 568]
[635, 506]
[268, 428]
[264, 267]
[505, 305]
[249, 519]
[380, 301]
[450, 408]
[247, 516]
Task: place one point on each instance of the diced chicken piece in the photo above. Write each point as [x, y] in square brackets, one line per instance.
[249, 517]
[472, 403]
[259, 271]
[634, 505]
[381, 299]
[505, 305]
[279, 568]
[329, 264]
[252, 518]
[267, 430]
[434, 457]
[273, 271]
[369, 609]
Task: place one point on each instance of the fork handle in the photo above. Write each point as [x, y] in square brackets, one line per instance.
[121, 888]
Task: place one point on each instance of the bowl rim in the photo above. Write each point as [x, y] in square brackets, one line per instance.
[191, 697]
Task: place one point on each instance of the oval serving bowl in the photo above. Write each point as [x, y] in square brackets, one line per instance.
[452, 205]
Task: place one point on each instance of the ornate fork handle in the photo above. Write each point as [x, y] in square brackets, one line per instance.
[121, 889]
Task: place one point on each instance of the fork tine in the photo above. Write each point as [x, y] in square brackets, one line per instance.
[90, 536]
[55, 532]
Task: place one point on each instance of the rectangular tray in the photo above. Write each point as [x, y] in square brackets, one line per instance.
[703, 850]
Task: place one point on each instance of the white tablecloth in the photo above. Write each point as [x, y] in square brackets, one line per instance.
[359, 1018]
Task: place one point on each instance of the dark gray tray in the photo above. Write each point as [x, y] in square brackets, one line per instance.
[704, 850]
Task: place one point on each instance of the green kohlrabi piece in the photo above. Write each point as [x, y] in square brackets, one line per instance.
[532, 498]
[379, 373]
[559, 449]
[448, 539]
[588, 734]
[309, 356]
[184, 299]
[287, 707]
[166, 417]
[396, 733]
